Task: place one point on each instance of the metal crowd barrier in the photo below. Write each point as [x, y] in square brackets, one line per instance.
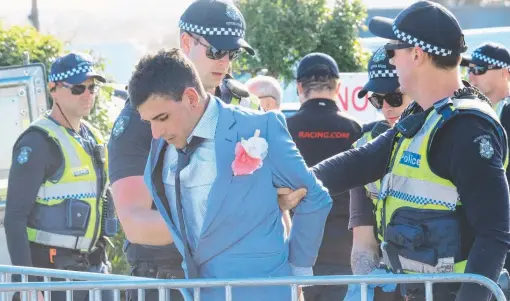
[95, 283]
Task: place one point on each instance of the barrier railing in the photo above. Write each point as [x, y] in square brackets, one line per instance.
[95, 283]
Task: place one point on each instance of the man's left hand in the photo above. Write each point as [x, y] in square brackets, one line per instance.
[289, 199]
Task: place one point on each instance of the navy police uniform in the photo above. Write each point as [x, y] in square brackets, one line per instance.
[467, 220]
[39, 158]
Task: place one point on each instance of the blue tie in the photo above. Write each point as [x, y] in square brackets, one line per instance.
[183, 161]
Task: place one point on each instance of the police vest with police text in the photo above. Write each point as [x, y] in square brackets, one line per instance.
[68, 210]
[417, 211]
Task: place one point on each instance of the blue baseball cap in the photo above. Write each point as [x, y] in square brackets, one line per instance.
[74, 68]
[488, 54]
[317, 63]
[220, 23]
[382, 76]
[424, 24]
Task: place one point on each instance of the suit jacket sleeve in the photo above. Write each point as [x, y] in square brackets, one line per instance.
[290, 170]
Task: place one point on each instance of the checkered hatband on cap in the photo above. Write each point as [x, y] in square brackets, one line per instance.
[211, 31]
[69, 73]
[382, 74]
[489, 60]
[409, 39]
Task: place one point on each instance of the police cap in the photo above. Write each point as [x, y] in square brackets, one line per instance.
[219, 22]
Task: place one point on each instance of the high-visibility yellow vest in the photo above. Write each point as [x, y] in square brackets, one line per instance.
[251, 102]
[374, 187]
[69, 206]
[416, 211]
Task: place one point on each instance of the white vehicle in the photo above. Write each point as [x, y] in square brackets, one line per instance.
[23, 98]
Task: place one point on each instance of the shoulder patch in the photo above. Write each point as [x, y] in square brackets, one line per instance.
[120, 126]
[24, 155]
[486, 148]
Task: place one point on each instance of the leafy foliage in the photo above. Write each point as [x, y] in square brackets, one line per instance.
[15, 40]
[283, 31]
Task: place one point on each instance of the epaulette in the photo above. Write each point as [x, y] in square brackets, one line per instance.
[236, 88]
[470, 91]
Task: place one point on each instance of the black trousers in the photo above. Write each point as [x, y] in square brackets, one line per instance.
[70, 260]
[151, 270]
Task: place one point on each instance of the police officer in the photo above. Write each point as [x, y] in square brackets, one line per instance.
[489, 71]
[321, 130]
[57, 213]
[129, 145]
[444, 203]
[386, 97]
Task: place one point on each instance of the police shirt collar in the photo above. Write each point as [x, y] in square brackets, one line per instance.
[320, 103]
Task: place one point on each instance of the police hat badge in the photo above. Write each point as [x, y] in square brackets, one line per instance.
[232, 13]
[379, 55]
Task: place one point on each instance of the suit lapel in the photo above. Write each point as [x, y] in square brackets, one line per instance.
[157, 179]
[225, 142]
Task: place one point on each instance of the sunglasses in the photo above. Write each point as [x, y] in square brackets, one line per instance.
[80, 89]
[393, 99]
[390, 48]
[216, 54]
[479, 70]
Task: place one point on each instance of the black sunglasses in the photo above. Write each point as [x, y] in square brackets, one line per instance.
[80, 89]
[394, 99]
[479, 70]
[216, 54]
[390, 48]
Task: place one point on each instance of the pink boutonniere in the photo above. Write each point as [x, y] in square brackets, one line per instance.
[249, 155]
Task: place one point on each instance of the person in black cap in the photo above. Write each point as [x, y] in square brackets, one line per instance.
[212, 36]
[57, 216]
[489, 71]
[435, 211]
[386, 96]
[321, 130]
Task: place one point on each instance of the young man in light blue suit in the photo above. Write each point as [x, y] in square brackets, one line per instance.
[225, 224]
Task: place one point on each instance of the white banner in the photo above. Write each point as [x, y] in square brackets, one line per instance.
[348, 101]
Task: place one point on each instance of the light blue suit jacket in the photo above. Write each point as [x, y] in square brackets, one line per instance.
[243, 235]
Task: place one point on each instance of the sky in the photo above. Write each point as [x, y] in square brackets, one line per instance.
[120, 31]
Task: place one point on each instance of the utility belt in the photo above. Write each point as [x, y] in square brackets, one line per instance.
[152, 270]
[423, 241]
[398, 263]
[67, 259]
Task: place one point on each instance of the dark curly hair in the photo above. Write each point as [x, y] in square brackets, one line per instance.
[167, 73]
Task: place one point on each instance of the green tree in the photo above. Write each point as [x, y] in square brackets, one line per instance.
[16, 40]
[471, 2]
[283, 31]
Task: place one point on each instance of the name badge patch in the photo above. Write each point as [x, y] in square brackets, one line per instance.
[410, 159]
[82, 172]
